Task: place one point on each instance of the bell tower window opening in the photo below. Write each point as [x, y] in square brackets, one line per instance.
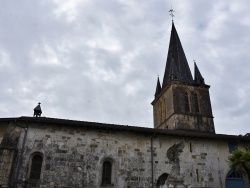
[36, 167]
[196, 103]
[159, 112]
[165, 108]
[163, 113]
[106, 173]
[186, 102]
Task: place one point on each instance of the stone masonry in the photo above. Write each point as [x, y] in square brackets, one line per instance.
[73, 156]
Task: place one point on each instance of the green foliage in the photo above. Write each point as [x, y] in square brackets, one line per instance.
[240, 161]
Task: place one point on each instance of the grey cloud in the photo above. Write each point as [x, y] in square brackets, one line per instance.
[99, 60]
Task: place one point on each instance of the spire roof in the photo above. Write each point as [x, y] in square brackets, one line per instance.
[158, 87]
[177, 67]
[197, 75]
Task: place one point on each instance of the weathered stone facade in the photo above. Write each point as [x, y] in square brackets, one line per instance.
[73, 154]
[170, 113]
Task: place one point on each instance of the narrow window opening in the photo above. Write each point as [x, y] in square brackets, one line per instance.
[186, 102]
[36, 166]
[165, 108]
[162, 111]
[196, 103]
[106, 173]
[232, 145]
[160, 114]
[190, 147]
[182, 102]
[197, 175]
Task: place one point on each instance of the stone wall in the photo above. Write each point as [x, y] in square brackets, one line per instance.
[73, 157]
[9, 134]
[7, 157]
[3, 130]
[169, 109]
[188, 123]
[163, 107]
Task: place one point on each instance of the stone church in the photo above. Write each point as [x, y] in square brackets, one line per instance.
[181, 151]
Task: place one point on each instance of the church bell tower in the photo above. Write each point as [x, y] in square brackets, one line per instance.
[182, 103]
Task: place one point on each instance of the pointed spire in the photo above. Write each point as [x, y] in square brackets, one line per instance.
[176, 60]
[197, 75]
[158, 87]
[37, 110]
[174, 74]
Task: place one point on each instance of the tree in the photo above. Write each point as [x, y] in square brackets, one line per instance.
[240, 162]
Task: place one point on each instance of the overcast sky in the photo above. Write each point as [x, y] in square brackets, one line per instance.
[98, 60]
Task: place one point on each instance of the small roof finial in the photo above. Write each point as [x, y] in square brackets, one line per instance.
[171, 14]
[37, 110]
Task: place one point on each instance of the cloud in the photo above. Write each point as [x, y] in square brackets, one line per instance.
[99, 60]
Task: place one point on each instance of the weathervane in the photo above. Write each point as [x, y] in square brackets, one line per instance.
[171, 13]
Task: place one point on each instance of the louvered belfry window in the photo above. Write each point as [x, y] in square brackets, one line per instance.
[106, 173]
[36, 166]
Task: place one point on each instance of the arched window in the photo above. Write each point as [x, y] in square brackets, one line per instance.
[161, 180]
[196, 103]
[234, 179]
[106, 173]
[186, 102]
[36, 166]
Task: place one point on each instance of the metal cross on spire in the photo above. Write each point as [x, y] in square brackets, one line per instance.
[171, 13]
